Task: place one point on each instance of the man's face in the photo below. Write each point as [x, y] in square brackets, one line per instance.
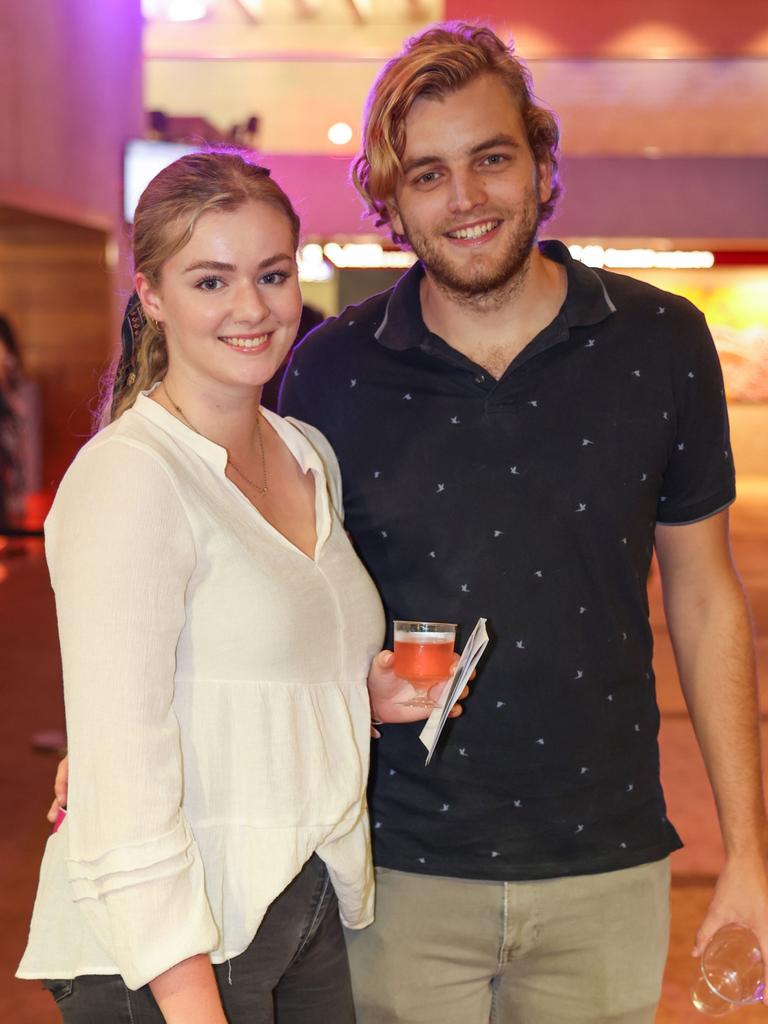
[468, 200]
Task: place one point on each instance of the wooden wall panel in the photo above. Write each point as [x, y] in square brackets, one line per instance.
[56, 290]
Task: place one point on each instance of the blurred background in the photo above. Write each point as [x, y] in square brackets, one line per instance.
[663, 106]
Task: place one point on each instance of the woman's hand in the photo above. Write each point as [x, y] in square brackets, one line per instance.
[60, 789]
[386, 690]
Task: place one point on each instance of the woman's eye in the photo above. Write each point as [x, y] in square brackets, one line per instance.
[275, 277]
[209, 284]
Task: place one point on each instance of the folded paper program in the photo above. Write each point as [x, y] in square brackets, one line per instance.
[470, 656]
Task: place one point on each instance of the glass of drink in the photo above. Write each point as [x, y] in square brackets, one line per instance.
[732, 972]
[423, 656]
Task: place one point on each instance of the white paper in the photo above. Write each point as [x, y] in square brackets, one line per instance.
[473, 650]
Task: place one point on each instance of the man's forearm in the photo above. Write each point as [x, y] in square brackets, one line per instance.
[712, 637]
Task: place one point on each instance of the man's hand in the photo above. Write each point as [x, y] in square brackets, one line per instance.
[741, 897]
[386, 690]
[60, 789]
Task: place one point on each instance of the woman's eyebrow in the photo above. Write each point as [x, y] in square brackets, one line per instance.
[279, 257]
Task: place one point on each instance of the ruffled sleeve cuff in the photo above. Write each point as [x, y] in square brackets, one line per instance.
[146, 903]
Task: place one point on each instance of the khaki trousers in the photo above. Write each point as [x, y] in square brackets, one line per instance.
[583, 950]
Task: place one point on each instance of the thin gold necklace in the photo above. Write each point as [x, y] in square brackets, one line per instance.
[261, 488]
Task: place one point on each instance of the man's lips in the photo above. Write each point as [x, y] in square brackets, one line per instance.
[249, 343]
[478, 231]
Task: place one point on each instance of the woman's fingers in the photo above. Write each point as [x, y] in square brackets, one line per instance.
[60, 786]
[457, 709]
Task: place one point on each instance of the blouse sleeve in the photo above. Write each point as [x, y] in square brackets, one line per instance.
[121, 554]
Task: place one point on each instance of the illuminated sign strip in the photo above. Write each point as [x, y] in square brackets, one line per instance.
[317, 261]
[642, 259]
[368, 255]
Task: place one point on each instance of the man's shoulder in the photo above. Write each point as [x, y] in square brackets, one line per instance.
[632, 296]
[355, 324]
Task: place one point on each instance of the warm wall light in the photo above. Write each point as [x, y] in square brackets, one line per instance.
[175, 10]
[339, 134]
[368, 256]
[312, 264]
[639, 259]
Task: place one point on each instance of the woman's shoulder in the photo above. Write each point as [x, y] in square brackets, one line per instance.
[127, 453]
[131, 433]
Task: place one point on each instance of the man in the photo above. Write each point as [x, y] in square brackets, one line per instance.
[515, 433]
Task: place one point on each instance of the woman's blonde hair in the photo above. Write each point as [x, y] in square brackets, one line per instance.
[166, 215]
[438, 62]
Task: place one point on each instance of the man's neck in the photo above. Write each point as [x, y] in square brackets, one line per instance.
[492, 332]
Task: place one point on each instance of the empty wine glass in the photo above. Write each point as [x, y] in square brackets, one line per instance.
[731, 972]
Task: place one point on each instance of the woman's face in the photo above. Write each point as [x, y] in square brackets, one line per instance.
[229, 301]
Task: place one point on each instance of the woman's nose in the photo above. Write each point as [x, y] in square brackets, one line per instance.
[250, 305]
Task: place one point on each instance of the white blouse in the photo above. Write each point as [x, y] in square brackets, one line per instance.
[217, 711]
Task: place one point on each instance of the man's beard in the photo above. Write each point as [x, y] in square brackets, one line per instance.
[488, 284]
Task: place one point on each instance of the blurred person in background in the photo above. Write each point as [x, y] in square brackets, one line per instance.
[216, 632]
[517, 432]
[11, 472]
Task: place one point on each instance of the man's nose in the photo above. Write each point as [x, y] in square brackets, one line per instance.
[468, 192]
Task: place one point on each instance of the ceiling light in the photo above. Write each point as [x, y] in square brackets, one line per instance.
[340, 133]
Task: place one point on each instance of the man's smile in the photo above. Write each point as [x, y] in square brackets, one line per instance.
[474, 232]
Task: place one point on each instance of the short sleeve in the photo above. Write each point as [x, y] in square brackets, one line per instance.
[699, 479]
[121, 554]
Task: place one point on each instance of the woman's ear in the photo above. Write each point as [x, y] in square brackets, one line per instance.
[149, 297]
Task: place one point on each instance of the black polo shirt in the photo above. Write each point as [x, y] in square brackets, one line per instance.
[531, 500]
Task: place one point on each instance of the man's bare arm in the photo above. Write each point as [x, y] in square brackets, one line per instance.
[711, 634]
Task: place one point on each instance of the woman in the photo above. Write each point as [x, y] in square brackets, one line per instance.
[216, 631]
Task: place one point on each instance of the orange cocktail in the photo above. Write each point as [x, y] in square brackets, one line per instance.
[424, 654]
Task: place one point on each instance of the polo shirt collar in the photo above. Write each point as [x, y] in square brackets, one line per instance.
[587, 301]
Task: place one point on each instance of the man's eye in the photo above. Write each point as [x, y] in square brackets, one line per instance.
[495, 159]
[427, 179]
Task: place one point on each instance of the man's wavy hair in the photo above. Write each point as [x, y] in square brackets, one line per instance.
[438, 62]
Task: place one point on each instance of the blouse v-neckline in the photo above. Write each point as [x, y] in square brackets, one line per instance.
[216, 456]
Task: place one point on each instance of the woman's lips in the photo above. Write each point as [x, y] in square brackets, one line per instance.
[248, 344]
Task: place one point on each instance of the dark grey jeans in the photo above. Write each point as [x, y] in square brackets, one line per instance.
[294, 972]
